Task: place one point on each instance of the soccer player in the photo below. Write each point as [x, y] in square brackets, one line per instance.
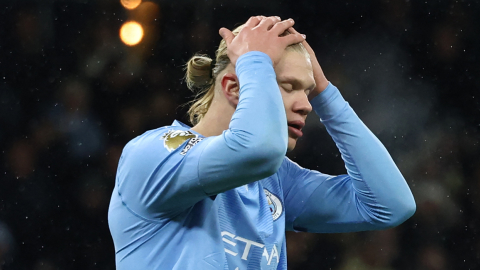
[222, 194]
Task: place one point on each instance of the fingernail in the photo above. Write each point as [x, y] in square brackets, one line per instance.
[278, 18]
[304, 36]
[290, 19]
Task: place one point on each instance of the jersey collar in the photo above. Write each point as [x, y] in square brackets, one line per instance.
[177, 123]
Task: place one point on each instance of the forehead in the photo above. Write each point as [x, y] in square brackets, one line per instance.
[294, 65]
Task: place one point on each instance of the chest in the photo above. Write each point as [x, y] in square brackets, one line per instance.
[252, 223]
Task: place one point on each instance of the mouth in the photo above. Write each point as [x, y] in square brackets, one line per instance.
[295, 129]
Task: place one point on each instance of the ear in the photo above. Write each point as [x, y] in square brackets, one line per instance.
[231, 88]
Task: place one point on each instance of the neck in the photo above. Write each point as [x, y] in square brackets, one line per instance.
[216, 120]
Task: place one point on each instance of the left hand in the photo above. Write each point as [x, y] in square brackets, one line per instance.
[320, 79]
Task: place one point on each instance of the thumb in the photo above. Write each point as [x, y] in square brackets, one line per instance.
[226, 34]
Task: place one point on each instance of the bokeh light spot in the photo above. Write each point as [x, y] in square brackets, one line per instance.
[130, 4]
[131, 33]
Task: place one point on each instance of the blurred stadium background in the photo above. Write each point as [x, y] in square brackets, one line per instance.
[78, 79]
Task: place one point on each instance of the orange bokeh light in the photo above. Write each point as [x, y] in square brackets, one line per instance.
[131, 33]
[130, 4]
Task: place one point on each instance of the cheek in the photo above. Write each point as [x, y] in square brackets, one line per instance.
[288, 99]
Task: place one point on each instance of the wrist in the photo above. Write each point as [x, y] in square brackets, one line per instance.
[328, 103]
[319, 88]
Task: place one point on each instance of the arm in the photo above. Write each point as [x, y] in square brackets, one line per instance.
[255, 143]
[374, 194]
[252, 148]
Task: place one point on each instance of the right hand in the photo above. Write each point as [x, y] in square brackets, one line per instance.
[321, 81]
[260, 34]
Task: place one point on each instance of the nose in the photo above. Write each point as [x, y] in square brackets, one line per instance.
[301, 104]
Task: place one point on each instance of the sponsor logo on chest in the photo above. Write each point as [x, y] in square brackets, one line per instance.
[232, 240]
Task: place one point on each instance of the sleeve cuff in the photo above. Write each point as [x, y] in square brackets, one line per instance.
[328, 103]
[253, 60]
[255, 57]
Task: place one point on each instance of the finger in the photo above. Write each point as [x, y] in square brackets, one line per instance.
[268, 22]
[293, 31]
[227, 35]
[278, 19]
[282, 26]
[308, 48]
[293, 39]
[304, 43]
[253, 21]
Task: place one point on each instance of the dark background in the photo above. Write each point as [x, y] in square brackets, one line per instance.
[72, 94]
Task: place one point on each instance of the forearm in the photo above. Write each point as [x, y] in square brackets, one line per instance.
[254, 145]
[376, 180]
[260, 114]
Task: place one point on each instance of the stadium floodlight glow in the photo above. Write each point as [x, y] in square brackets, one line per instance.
[130, 4]
[131, 33]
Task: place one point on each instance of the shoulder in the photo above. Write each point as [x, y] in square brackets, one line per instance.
[156, 151]
[153, 167]
[173, 138]
[167, 139]
[291, 172]
[288, 166]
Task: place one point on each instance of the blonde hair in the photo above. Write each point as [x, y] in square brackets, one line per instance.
[200, 75]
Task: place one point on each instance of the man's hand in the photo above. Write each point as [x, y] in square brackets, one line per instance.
[320, 79]
[260, 34]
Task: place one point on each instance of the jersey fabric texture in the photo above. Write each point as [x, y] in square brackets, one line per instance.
[184, 201]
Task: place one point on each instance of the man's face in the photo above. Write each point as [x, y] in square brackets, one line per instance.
[295, 79]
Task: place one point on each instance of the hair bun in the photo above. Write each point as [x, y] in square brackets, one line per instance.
[199, 72]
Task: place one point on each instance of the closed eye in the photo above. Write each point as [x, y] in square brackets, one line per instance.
[309, 90]
[289, 84]
[287, 87]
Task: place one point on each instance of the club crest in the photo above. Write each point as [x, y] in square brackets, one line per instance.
[274, 203]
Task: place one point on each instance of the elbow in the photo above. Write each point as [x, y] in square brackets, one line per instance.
[269, 158]
[398, 214]
[266, 158]
[262, 154]
[404, 211]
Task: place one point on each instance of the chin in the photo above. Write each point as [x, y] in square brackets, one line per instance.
[291, 144]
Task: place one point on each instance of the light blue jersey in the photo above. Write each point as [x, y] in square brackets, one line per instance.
[183, 201]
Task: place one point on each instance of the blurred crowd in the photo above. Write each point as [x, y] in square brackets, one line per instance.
[72, 95]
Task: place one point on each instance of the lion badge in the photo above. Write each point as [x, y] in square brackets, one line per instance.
[174, 138]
